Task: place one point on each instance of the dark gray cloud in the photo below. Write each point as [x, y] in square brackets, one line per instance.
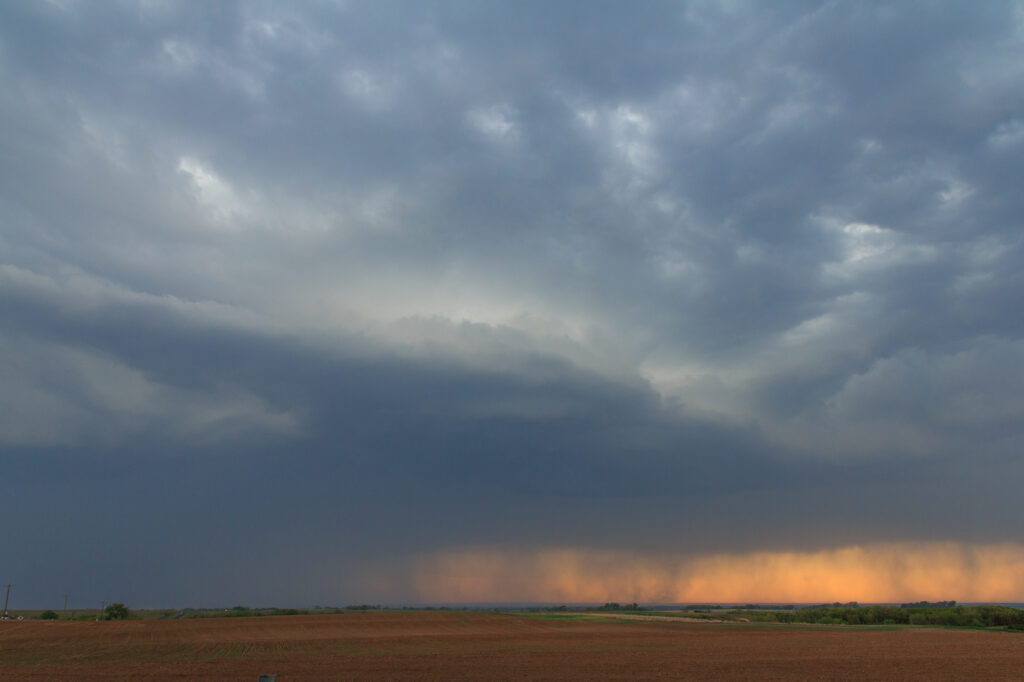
[359, 283]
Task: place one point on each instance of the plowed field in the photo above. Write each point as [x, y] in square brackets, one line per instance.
[455, 645]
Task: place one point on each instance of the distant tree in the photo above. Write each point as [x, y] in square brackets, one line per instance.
[48, 615]
[616, 606]
[116, 611]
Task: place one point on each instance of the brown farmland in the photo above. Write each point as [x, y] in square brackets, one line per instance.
[463, 645]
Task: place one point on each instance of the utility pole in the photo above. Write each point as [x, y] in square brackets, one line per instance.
[6, 598]
[65, 604]
[102, 609]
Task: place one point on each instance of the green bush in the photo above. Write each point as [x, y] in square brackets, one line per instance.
[116, 611]
[48, 615]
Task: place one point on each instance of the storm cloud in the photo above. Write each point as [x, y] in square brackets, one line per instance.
[298, 303]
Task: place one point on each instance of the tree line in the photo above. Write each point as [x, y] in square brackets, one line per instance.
[961, 616]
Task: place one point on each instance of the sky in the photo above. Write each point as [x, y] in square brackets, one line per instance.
[434, 302]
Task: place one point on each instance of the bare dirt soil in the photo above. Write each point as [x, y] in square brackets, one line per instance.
[458, 645]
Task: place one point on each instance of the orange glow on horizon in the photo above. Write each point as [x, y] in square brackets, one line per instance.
[890, 572]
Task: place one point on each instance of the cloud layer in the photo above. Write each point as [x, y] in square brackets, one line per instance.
[368, 283]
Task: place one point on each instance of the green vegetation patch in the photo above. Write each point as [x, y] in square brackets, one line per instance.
[554, 616]
[933, 616]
